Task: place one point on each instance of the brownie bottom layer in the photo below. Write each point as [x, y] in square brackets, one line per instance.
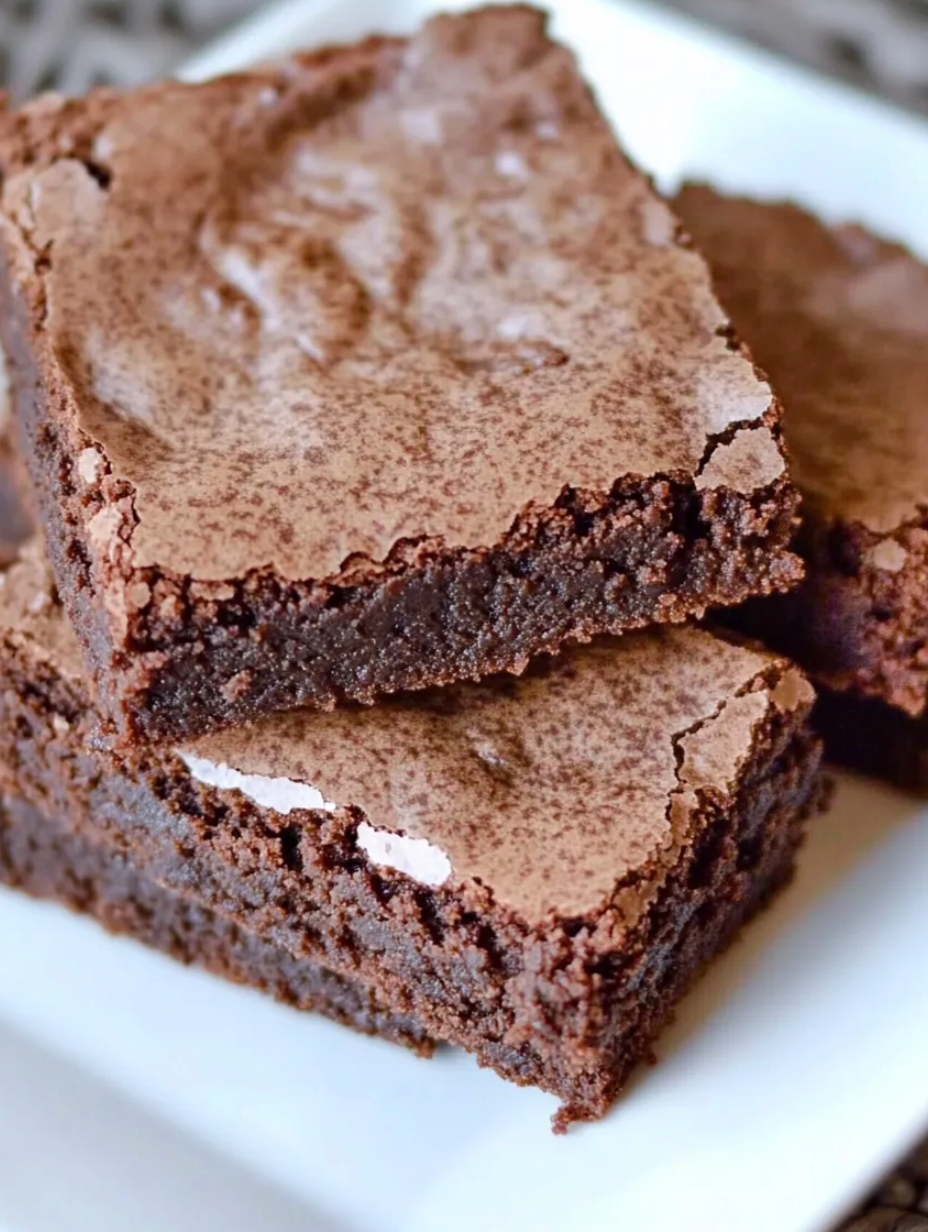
[43, 857]
[874, 739]
[568, 1012]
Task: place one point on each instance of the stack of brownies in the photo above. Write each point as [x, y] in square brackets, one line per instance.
[358, 394]
[839, 319]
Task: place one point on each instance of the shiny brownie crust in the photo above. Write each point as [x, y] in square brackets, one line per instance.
[659, 550]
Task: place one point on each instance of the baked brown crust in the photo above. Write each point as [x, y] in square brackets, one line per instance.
[577, 463]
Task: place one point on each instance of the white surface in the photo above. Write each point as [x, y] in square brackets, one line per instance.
[416, 857]
[796, 1071]
[281, 795]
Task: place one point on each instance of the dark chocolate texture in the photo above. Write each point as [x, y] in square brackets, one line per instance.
[520, 867]
[866, 735]
[47, 859]
[370, 371]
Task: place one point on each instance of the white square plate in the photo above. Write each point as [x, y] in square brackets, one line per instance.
[134, 1093]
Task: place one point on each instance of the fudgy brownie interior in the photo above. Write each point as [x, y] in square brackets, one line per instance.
[47, 858]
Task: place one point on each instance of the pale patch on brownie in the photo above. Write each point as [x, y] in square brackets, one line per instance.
[281, 795]
[416, 857]
[89, 465]
[103, 529]
[511, 163]
[216, 592]
[658, 224]
[423, 124]
[751, 459]
[888, 555]
[792, 691]
[138, 595]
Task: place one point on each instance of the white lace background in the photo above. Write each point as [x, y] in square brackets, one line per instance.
[880, 44]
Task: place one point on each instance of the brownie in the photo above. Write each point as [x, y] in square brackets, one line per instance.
[374, 370]
[534, 869]
[839, 320]
[46, 858]
[875, 739]
[17, 519]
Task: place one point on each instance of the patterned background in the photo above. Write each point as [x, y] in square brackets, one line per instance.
[882, 44]
[71, 44]
[879, 44]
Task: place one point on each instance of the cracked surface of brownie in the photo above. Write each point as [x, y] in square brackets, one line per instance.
[839, 320]
[381, 368]
[534, 869]
[88, 872]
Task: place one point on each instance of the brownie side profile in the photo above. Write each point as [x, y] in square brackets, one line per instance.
[371, 371]
[511, 865]
[839, 319]
[17, 521]
[872, 738]
[47, 859]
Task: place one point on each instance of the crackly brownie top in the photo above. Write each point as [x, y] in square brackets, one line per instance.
[839, 320]
[402, 290]
[549, 789]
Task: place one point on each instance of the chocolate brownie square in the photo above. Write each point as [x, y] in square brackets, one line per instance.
[374, 370]
[535, 869]
[839, 320]
[17, 513]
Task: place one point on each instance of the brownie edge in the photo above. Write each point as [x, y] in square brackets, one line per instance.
[838, 317]
[207, 580]
[48, 859]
